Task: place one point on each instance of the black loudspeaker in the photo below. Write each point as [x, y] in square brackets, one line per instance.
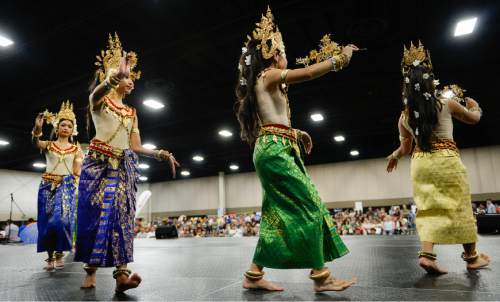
[166, 231]
[488, 223]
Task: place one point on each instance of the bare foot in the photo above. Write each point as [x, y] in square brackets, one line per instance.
[89, 281]
[261, 284]
[431, 266]
[50, 266]
[124, 282]
[60, 263]
[481, 262]
[333, 284]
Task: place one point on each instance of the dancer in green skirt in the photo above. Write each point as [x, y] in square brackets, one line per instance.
[296, 229]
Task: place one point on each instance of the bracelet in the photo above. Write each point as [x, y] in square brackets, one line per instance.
[36, 134]
[338, 62]
[395, 155]
[478, 109]
[158, 154]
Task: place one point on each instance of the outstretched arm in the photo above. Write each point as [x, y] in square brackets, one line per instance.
[292, 76]
[136, 145]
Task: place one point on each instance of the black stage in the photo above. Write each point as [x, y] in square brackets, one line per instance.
[211, 269]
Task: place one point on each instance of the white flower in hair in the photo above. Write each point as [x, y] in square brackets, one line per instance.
[405, 101]
[416, 132]
[427, 95]
[416, 63]
[417, 87]
[425, 76]
[435, 82]
[417, 115]
[243, 81]
[244, 50]
[248, 60]
[407, 80]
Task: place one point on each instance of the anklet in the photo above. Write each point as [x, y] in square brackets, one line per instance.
[430, 256]
[254, 276]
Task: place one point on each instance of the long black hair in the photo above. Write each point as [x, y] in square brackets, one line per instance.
[419, 96]
[246, 108]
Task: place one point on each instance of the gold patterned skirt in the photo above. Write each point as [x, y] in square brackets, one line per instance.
[441, 192]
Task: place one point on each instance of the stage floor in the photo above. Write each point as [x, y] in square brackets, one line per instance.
[211, 269]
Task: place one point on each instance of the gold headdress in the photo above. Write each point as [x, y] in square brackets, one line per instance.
[266, 31]
[110, 59]
[456, 90]
[415, 56]
[65, 113]
[327, 50]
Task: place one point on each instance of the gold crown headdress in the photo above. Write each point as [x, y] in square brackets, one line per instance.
[415, 56]
[266, 31]
[110, 59]
[456, 90]
[65, 113]
[327, 50]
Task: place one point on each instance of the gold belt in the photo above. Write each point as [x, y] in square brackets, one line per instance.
[100, 150]
[53, 178]
[279, 130]
[441, 144]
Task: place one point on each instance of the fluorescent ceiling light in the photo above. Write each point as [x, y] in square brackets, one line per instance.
[154, 104]
[465, 27]
[317, 117]
[39, 165]
[4, 41]
[198, 158]
[149, 146]
[225, 133]
[143, 166]
[339, 138]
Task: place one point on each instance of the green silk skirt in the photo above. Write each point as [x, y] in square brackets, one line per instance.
[296, 229]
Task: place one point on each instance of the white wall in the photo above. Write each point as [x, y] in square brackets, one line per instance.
[338, 182]
[187, 194]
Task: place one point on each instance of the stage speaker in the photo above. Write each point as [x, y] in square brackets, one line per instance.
[166, 231]
[488, 223]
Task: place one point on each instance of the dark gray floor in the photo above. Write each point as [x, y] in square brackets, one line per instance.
[211, 269]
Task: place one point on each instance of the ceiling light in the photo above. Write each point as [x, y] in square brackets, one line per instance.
[39, 165]
[354, 152]
[234, 167]
[143, 178]
[149, 146]
[4, 42]
[154, 104]
[198, 158]
[225, 133]
[3, 142]
[339, 138]
[317, 117]
[465, 27]
[185, 173]
[143, 166]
